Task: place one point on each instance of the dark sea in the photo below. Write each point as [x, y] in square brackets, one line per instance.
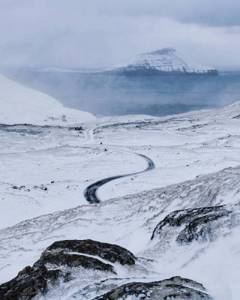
[111, 94]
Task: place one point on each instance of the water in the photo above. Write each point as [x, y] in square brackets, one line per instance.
[108, 94]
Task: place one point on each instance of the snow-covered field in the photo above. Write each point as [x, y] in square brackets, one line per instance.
[50, 154]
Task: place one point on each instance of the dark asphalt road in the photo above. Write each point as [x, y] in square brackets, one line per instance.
[90, 192]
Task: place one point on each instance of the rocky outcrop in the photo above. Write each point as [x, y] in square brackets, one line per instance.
[30, 282]
[57, 262]
[176, 288]
[60, 258]
[194, 224]
[109, 252]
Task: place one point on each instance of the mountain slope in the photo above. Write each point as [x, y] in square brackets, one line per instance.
[19, 105]
[180, 219]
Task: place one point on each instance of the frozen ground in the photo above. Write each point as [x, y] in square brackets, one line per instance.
[45, 170]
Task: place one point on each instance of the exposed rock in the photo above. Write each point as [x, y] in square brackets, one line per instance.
[57, 261]
[60, 258]
[28, 283]
[197, 223]
[25, 188]
[109, 252]
[176, 288]
[76, 128]
[236, 117]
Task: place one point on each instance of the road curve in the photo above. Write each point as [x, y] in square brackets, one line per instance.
[90, 192]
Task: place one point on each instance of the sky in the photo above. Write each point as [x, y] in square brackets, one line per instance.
[103, 33]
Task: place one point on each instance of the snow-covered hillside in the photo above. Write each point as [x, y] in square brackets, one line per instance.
[164, 61]
[168, 230]
[19, 105]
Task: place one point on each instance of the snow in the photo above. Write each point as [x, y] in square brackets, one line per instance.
[197, 164]
[166, 60]
[19, 104]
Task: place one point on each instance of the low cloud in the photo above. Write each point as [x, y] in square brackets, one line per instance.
[97, 33]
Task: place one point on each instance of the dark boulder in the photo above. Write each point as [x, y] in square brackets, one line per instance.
[176, 288]
[194, 224]
[57, 261]
[76, 128]
[60, 258]
[28, 283]
[109, 252]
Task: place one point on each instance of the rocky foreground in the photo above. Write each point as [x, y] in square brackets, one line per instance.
[62, 261]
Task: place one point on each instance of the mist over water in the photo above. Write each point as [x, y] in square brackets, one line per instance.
[109, 94]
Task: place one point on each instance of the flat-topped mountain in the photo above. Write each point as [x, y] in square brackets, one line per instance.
[163, 61]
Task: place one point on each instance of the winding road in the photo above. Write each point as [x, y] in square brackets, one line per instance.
[90, 192]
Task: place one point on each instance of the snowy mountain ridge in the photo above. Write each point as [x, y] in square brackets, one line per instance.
[166, 61]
